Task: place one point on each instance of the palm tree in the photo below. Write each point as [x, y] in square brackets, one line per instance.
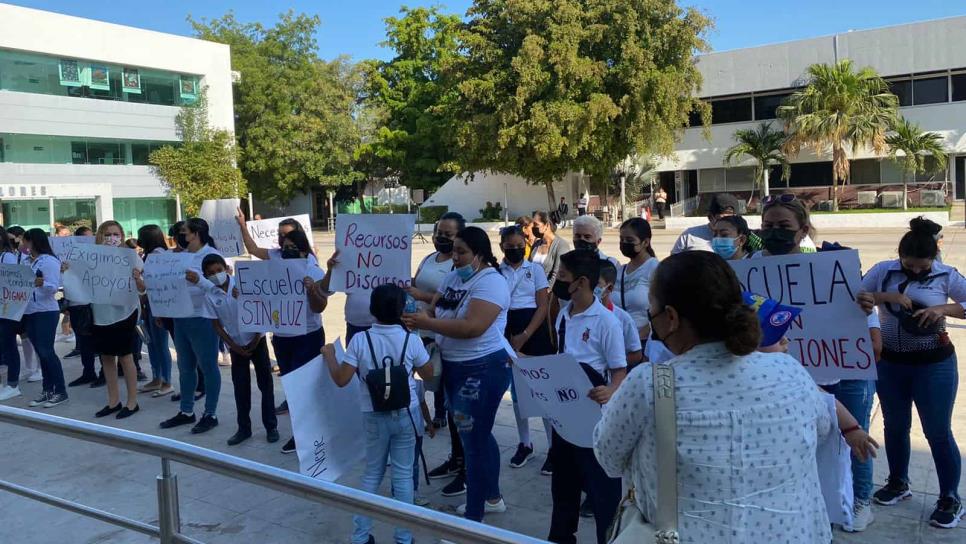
[765, 146]
[915, 145]
[839, 109]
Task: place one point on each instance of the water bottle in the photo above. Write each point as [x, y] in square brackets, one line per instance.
[411, 306]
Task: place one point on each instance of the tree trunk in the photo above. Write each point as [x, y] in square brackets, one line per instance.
[551, 198]
[905, 191]
[765, 189]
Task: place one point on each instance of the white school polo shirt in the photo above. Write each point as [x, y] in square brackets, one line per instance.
[387, 343]
[632, 336]
[594, 337]
[225, 309]
[524, 282]
[631, 290]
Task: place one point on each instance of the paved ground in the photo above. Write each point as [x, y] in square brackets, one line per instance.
[217, 509]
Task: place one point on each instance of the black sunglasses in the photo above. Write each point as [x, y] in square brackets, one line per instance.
[775, 199]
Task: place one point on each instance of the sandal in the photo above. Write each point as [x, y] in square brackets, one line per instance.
[165, 389]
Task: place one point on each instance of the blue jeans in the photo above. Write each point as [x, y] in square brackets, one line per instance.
[41, 329]
[196, 344]
[389, 436]
[158, 351]
[474, 390]
[857, 397]
[933, 388]
[9, 355]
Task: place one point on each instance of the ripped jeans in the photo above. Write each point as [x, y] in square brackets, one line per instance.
[474, 390]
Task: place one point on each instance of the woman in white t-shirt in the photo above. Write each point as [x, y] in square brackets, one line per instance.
[634, 278]
[470, 316]
[9, 355]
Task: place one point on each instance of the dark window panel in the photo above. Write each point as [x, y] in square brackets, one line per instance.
[934, 90]
[767, 106]
[903, 90]
[731, 110]
[811, 174]
[959, 87]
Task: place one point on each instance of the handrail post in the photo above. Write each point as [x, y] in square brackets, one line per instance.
[169, 513]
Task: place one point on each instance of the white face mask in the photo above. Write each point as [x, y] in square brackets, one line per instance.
[113, 240]
[218, 279]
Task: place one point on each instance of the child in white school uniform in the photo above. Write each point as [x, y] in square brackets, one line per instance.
[631, 333]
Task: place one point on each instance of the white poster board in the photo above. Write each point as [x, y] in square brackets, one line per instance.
[101, 275]
[167, 288]
[271, 296]
[62, 244]
[373, 249]
[326, 421]
[221, 216]
[16, 286]
[560, 387]
[265, 231]
[831, 335]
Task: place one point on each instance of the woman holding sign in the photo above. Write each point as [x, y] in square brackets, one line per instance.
[151, 241]
[470, 316]
[42, 315]
[919, 363]
[9, 355]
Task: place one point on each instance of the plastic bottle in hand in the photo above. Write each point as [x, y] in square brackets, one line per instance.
[411, 306]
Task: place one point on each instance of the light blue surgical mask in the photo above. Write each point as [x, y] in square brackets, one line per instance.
[598, 292]
[466, 272]
[725, 247]
[218, 279]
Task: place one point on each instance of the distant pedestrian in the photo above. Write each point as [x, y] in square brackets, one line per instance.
[582, 205]
[563, 210]
[660, 199]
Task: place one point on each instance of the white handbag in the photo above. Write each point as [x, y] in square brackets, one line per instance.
[630, 526]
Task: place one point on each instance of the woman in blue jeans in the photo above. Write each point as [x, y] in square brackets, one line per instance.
[470, 316]
[42, 315]
[919, 363]
[9, 355]
[151, 241]
[195, 339]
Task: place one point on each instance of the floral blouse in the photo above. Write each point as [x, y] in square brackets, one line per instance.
[747, 432]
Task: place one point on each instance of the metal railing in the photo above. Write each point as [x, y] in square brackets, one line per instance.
[436, 523]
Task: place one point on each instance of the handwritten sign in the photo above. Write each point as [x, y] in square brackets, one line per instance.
[62, 244]
[559, 386]
[374, 249]
[166, 285]
[326, 421]
[16, 285]
[265, 231]
[223, 226]
[831, 335]
[271, 296]
[101, 275]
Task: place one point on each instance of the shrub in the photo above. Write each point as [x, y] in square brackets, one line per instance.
[431, 214]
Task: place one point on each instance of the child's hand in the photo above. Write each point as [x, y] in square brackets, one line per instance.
[191, 276]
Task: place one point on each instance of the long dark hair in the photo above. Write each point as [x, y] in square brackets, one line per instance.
[920, 242]
[199, 226]
[300, 240]
[150, 238]
[5, 245]
[479, 243]
[642, 229]
[39, 242]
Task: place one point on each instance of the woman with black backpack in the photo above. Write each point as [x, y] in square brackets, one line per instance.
[384, 358]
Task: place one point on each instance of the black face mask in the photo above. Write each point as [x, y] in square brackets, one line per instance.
[628, 250]
[181, 240]
[514, 255]
[778, 241]
[443, 245]
[291, 253]
[912, 276]
[537, 233]
[561, 290]
[584, 244]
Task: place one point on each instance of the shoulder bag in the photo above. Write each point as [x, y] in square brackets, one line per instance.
[630, 526]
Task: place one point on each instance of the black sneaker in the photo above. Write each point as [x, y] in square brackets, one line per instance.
[523, 454]
[289, 446]
[83, 380]
[55, 399]
[271, 436]
[547, 468]
[948, 512]
[893, 492]
[587, 509]
[456, 487]
[448, 469]
[282, 408]
[178, 420]
[108, 410]
[73, 353]
[207, 423]
[239, 437]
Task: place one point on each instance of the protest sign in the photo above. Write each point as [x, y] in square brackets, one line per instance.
[223, 226]
[831, 335]
[265, 231]
[16, 285]
[101, 275]
[560, 387]
[326, 421]
[167, 288]
[271, 296]
[373, 249]
[62, 244]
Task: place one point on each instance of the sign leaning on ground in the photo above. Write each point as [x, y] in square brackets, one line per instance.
[16, 286]
[559, 387]
[167, 288]
[265, 231]
[373, 249]
[223, 226]
[271, 296]
[62, 244]
[101, 275]
[831, 335]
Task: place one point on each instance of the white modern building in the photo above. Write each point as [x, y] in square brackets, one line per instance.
[83, 103]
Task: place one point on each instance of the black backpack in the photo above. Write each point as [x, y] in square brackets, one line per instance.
[388, 385]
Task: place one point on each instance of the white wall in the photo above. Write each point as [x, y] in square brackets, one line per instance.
[469, 197]
[125, 181]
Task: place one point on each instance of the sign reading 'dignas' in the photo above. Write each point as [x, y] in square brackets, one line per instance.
[223, 225]
[831, 335]
[271, 296]
[16, 286]
[101, 275]
[373, 249]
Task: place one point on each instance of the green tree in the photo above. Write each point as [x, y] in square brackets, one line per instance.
[765, 146]
[411, 142]
[202, 166]
[294, 113]
[915, 146]
[840, 109]
[546, 87]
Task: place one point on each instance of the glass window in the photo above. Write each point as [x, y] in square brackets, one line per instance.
[934, 90]
[959, 87]
[134, 213]
[731, 110]
[75, 212]
[902, 88]
[29, 149]
[29, 214]
[811, 174]
[766, 106]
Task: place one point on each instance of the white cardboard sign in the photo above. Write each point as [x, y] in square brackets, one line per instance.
[62, 244]
[101, 274]
[271, 296]
[16, 286]
[373, 249]
[560, 387]
[167, 288]
[265, 231]
[221, 216]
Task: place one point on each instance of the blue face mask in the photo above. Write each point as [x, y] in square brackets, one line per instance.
[598, 292]
[466, 272]
[725, 247]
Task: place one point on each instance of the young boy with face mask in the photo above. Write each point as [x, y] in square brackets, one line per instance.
[632, 337]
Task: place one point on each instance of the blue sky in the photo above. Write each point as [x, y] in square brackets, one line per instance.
[355, 27]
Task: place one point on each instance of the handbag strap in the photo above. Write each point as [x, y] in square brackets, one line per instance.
[666, 520]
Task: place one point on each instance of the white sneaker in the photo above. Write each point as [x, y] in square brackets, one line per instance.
[488, 507]
[7, 392]
[64, 338]
[862, 517]
[37, 376]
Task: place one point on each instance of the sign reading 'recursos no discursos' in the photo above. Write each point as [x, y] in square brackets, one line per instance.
[373, 249]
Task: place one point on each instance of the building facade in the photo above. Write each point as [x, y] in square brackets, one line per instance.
[82, 105]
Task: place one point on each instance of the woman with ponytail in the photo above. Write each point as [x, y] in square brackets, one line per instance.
[469, 314]
[634, 278]
[729, 397]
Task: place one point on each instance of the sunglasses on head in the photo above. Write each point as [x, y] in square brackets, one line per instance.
[775, 199]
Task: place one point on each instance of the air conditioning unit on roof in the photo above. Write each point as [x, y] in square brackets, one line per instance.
[891, 199]
[932, 198]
